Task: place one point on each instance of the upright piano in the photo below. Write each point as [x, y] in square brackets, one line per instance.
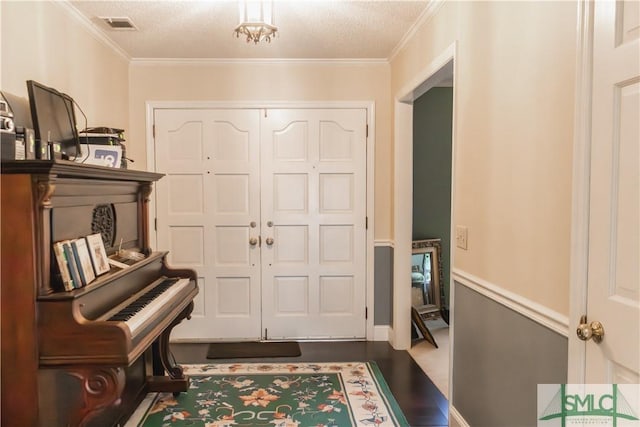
[85, 357]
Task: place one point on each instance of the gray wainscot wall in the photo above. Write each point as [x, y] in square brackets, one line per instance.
[499, 358]
[383, 284]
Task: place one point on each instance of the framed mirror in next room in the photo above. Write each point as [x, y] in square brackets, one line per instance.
[427, 293]
[426, 273]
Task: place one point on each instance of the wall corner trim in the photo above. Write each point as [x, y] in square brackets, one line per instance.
[551, 319]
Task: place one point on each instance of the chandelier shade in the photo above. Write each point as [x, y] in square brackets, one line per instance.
[256, 20]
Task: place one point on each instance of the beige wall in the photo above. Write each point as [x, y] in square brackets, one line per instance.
[264, 82]
[42, 41]
[514, 114]
[59, 52]
[514, 94]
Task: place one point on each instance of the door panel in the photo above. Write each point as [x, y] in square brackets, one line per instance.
[291, 142]
[290, 193]
[614, 229]
[314, 197]
[205, 205]
[293, 244]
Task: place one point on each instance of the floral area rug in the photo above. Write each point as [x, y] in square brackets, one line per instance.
[278, 395]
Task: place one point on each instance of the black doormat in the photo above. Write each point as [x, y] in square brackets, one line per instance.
[237, 350]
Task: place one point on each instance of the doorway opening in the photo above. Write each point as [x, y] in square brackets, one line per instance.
[432, 120]
[439, 72]
[432, 144]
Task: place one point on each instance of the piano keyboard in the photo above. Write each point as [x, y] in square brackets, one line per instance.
[139, 312]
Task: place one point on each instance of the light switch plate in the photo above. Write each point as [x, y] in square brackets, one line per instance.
[462, 235]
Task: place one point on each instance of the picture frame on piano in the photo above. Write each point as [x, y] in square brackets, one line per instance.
[98, 254]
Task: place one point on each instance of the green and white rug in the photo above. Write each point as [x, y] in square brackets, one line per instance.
[276, 395]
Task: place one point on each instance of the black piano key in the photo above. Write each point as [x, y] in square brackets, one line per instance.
[144, 300]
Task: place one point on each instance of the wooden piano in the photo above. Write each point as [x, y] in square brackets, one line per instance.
[71, 358]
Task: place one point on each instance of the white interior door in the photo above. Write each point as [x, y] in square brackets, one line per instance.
[269, 207]
[208, 210]
[614, 229]
[314, 210]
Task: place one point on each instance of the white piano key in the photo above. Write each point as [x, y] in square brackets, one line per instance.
[146, 314]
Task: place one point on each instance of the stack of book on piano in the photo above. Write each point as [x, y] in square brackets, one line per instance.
[80, 260]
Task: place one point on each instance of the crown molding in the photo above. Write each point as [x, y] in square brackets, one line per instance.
[224, 61]
[91, 28]
[427, 13]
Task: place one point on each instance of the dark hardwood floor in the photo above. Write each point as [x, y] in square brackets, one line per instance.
[421, 401]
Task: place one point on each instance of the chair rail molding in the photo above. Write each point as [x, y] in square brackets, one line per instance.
[455, 418]
[551, 319]
[384, 243]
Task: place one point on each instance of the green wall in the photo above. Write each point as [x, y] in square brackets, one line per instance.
[432, 119]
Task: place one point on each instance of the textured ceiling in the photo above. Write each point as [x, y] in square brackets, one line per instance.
[307, 29]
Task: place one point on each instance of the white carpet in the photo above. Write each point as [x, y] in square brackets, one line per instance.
[434, 361]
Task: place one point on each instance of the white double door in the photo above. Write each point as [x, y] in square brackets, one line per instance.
[269, 207]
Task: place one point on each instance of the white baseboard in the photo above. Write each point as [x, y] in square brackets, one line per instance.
[381, 333]
[392, 336]
[455, 419]
[537, 312]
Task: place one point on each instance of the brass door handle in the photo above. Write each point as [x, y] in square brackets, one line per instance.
[253, 241]
[269, 241]
[593, 330]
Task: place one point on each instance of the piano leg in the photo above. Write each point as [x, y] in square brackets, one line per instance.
[176, 381]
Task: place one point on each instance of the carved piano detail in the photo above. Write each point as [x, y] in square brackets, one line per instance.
[101, 388]
[87, 356]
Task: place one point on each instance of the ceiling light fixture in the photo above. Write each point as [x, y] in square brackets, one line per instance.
[256, 20]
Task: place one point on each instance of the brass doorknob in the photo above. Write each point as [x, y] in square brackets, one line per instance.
[253, 241]
[269, 241]
[593, 330]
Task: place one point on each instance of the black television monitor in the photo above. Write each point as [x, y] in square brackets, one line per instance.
[54, 120]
